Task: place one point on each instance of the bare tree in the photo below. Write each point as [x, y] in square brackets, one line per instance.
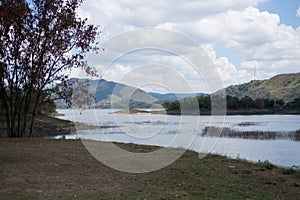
[38, 40]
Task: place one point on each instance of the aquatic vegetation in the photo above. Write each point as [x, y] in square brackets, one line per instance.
[212, 131]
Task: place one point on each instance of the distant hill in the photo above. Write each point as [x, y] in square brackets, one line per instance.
[107, 91]
[174, 96]
[283, 86]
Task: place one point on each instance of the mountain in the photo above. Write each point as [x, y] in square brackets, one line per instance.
[107, 89]
[283, 86]
[174, 96]
[108, 92]
[120, 95]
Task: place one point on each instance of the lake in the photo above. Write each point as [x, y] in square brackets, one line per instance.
[186, 132]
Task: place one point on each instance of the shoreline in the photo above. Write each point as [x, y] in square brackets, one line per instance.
[64, 169]
[50, 126]
[236, 112]
[208, 113]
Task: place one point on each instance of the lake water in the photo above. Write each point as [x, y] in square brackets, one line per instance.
[185, 131]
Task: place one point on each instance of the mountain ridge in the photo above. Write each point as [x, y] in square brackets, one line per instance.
[282, 86]
[174, 96]
[112, 94]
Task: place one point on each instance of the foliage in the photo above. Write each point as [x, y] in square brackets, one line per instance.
[81, 97]
[284, 86]
[38, 40]
[268, 94]
[171, 105]
[289, 171]
[233, 103]
[267, 165]
[294, 104]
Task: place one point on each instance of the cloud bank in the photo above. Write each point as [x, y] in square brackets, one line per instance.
[236, 35]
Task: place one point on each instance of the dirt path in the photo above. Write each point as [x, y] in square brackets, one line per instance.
[53, 168]
[63, 169]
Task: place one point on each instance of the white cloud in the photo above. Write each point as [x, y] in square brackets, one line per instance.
[117, 72]
[118, 16]
[151, 78]
[237, 25]
[226, 69]
[260, 35]
[236, 28]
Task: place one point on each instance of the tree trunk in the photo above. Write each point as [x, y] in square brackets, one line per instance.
[26, 111]
[34, 113]
[5, 106]
[7, 123]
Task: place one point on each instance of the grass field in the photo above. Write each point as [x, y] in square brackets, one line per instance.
[63, 169]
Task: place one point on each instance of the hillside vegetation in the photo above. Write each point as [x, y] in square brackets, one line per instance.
[284, 86]
[277, 95]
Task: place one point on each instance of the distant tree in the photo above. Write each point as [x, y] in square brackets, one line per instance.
[204, 102]
[295, 104]
[259, 103]
[232, 102]
[247, 102]
[175, 105]
[171, 105]
[189, 103]
[269, 103]
[279, 102]
[38, 39]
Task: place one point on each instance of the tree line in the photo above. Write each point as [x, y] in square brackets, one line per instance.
[203, 103]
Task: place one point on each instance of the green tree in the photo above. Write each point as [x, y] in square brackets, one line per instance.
[269, 103]
[259, 103]
[232, 102]
[171, 105]
[295, 104]
[204, 102]
[38, 40]
[189, 103]
[279, 102]
[247, 102]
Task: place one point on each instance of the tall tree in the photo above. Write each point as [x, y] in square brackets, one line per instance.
[38, 40]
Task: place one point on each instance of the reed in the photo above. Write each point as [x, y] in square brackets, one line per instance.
[212, 131]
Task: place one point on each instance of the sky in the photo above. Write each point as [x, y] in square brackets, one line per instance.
[237, 35]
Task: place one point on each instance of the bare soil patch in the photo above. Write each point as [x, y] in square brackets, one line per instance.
[63, 169]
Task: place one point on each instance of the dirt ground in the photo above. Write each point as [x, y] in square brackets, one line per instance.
[45, 126]
[63, 169]
[53, 168]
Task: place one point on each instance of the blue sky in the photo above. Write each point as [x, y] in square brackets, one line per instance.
[286, 9]
[236, 35]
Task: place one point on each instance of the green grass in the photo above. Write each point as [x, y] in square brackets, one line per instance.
[192, 178]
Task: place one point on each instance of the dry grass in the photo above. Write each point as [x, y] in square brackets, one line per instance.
[63, 169]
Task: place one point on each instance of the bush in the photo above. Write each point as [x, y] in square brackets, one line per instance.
[267, 165]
